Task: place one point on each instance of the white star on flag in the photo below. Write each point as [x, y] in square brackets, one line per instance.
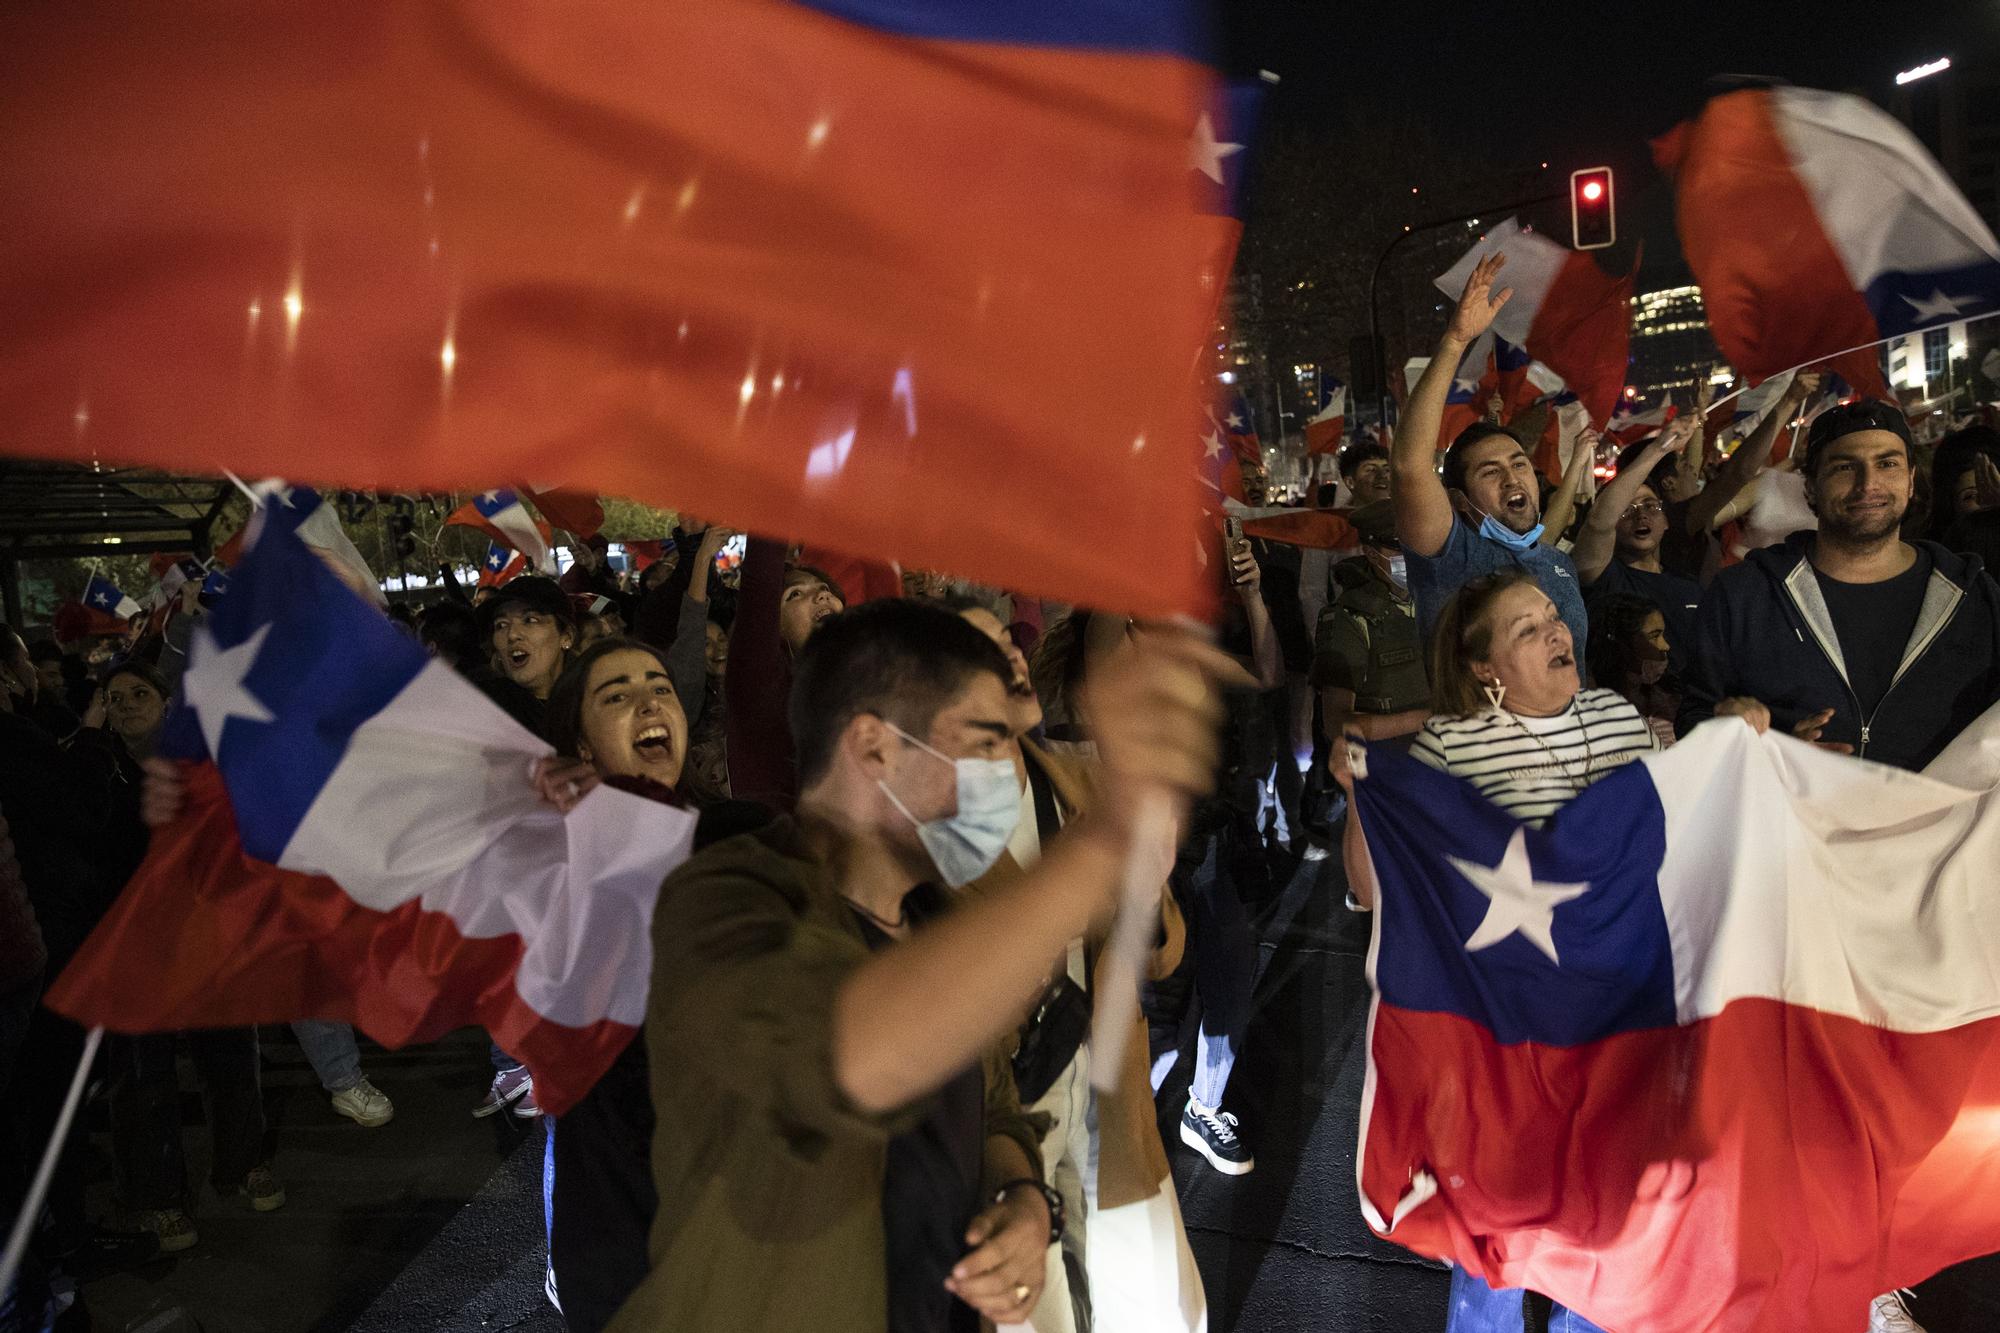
[1939, 306]
[214, 684]
[1212, 445]
[1466, 388]
[1235, 421]
[1518, 902]
[489, 496]
[103, 599]
[1205, 154]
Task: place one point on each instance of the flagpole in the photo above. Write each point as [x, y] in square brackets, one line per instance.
[31, 1207]
[1879, 342]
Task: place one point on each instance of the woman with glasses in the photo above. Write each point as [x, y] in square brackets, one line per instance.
[1617, 552]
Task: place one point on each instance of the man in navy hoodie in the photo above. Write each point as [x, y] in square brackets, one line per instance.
[1851, 637]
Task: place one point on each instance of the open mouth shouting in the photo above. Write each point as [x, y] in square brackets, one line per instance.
[655, 744]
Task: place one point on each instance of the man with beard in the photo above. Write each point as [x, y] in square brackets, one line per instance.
[1619, 550]
[1484, 515]
[1851, 636]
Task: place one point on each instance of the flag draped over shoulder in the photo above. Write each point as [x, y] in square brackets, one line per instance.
[363, 842]
[1717, 1049]
[920, 281]
[1816, 223]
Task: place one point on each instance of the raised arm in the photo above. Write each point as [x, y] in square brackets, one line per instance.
[1594, 544]
[1560, 511]
[917, 1012]
[1267, 656]
[1751, 457]
[1423, 509]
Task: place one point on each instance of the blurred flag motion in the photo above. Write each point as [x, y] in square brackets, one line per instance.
[893, 278]
[1816, 223]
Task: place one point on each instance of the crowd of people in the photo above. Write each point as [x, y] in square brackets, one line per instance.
[919, 803]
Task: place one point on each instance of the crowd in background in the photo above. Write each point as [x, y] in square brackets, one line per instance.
[874, 980]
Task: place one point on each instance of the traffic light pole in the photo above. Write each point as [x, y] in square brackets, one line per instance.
[1375, 284]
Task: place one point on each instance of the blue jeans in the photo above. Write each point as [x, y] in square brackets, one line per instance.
[331, 1049]
[1478, 1308]
[1225, 975]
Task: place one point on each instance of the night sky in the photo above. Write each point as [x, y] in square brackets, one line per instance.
[1577, 84]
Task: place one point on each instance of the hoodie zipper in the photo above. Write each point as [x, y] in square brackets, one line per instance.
[1868, 722]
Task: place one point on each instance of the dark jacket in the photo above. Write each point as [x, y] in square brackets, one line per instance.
[1764, 632]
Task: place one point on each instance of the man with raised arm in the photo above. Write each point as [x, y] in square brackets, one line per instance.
[1484, 514]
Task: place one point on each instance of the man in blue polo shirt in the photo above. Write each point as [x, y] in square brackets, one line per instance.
[1485, 514]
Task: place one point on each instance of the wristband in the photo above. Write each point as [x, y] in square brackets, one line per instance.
[1049, 1196]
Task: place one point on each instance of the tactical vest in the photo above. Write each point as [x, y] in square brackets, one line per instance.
[1393, 677]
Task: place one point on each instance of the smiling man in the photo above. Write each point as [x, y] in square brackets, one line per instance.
[1485, 514]
[1851, 636]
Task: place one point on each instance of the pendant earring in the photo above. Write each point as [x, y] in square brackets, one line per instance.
[1496, 694]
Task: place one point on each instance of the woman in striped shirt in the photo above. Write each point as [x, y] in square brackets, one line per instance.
[1512, 717]
[1514, 720]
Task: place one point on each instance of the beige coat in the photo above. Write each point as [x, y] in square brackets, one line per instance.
[1132, 1162]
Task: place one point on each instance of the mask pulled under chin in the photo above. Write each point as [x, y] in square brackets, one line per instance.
[964, 844]
[1494, 530]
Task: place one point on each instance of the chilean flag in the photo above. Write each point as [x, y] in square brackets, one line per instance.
[1239, 428]
[1629, 427]
[1326, 427]
[1566, 312]
[1816, 224]
[502, 516]
[678, 252]
[104, 598]
[362, 842]
[1473, 386]
[1718, 1049]
[501, 565]
[1219, 158]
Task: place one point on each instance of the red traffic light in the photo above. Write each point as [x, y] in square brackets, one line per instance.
[1592, 208]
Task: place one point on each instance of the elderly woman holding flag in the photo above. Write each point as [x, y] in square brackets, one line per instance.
[1514, 720]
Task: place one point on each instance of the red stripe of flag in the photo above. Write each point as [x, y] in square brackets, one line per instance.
[1776, 291]
[401, 976]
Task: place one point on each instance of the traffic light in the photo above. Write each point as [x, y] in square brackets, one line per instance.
[1593, 215]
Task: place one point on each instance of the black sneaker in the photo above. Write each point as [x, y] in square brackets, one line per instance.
[1213, 1135]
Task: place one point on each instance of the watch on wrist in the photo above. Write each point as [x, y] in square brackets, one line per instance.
[1049, 1196]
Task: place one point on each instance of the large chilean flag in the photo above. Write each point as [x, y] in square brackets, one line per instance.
[1716, 1050]
[1815, 223]
[1566, 312]
[363, 842]
[917, 279]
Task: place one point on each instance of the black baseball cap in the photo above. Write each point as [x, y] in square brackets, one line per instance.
[533, 592]
[1375, 523]
[1843, 419]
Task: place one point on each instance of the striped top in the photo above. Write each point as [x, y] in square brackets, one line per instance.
[1533, 766]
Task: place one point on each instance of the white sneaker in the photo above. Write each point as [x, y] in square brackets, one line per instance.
[1888, 1314]
[364, 1104]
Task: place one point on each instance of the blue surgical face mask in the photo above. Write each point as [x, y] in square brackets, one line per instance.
[1495, 530]
[965, 844]
[1399, 571]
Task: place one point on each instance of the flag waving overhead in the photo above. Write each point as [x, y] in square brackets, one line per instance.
[915, 280]
[1566, 312]
[1326, 427]
[502, 565]
[1816, 223]
[106, 598]
[363, 842]
[502, 516]
[1716, 1051]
